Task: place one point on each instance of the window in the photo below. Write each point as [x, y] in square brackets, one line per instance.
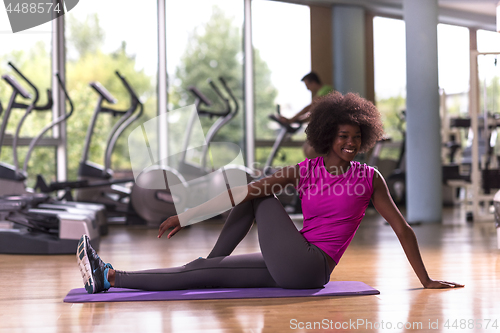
[30, 52]
[103, 37]
[282, 43]
[390, 72]
[204, 42]
[454, 67]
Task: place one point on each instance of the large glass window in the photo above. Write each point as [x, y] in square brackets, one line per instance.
[30, 52]
[454, 67]
[204, 42]
[389, 49]
[489, 71]
[103, 37]
[282, 42]
[390, 72]
[453, 57]
[488, 41]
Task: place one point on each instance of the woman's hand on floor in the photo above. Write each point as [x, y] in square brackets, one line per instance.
[171, 222]
[435, 284]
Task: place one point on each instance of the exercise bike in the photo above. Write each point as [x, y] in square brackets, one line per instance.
[111, 193]
[11, 179]
[178, 183]
[95, 182]
[33, 223]
[289, 197]
[19, 176]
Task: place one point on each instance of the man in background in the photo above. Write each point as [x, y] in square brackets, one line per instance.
[313, 84]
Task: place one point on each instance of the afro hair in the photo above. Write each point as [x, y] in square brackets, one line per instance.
[334, 109]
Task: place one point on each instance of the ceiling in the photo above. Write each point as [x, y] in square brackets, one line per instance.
[480, 14]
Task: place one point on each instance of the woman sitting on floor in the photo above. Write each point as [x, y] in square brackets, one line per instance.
[335, 191]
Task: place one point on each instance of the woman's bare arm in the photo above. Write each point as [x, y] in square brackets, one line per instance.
[385, 206]
[288, 176]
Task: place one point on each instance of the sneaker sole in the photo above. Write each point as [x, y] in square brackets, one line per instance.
[84, 265]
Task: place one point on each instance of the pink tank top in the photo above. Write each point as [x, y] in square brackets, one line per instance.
[333, 204]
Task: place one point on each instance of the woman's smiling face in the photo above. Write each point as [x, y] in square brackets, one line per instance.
[347, 142]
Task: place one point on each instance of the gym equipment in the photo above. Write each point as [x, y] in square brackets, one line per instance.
[97, 211]
[478, 172]
[140, 203]
[114, 196]
[333, 288]
[11, 180]
[289, 197]
[28, 230]
[31, 224]
[496, 205]
[396, 181]
[96, 184]
[17, 177]
[286, 130]
[485, 175]
[194, 183]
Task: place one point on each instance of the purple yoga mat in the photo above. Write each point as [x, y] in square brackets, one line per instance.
[333, 288]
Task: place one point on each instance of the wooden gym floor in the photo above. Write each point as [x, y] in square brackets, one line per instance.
[33, 287]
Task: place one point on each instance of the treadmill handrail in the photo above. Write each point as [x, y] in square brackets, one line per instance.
[204, 99]
[122, 123]
[6, 115]
[289, 127]
[16, 86]
[201, 98]
[222, 97]
[230, 93]
[108, 97]
[35, 100]
[285, 130]
[46, 107]
[56, 122]
[28, 111]
[224, 118]
[104, 95]
[127, 86]
[103, 92]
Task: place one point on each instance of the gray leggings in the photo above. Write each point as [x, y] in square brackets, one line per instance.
[286, 259]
